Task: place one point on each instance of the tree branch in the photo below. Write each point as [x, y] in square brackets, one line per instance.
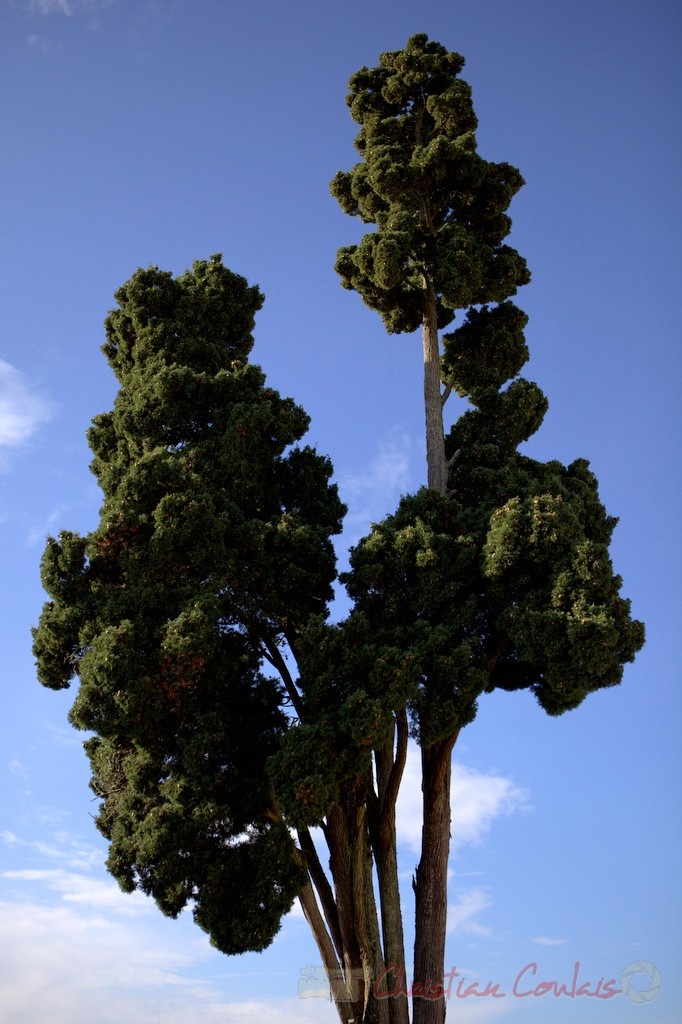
[275, 658]
[445, 395]
[340, 993]
[391, 793]
[453, 458]
[323, 887]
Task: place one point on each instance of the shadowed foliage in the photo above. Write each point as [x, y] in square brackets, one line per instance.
[228, 715]
[213, 544]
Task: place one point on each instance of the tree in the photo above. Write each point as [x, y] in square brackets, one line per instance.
[438, 207]
[212, 551]
[230, 717]
[212, 561]
[498, 576]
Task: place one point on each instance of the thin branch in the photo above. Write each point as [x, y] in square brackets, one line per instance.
[445, 395]
[324, 889]
[391, 794]
[340, 992]
[448, 219]
[503, 644]
[453, 458]
[275, 658]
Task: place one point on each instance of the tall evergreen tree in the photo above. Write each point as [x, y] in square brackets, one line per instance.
[498, 575]
[212, 551]
[439, 209]
[213, 562]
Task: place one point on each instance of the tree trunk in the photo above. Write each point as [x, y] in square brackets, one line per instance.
[341, 995]
[351, 868]
[437, 470]
[340, 842]
[389, 770]
[431, 885]
[376, 1010]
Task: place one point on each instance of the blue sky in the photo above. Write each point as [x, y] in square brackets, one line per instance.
[140, 132]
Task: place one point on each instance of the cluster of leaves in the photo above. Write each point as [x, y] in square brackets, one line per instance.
[506, 583]
[438, 206]
[214, 551]
[213, 545]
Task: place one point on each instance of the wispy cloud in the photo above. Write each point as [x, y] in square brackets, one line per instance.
[18, 768]
[76, 888]
[374, 493]
[69, 852]
[50, 6]
[22, 409]
[478, 798]
[66, 929]
[543, 940]
[61, 735]
[38, 42]
[39, 533]
[462, 914]
[98, 967]
[66, 7]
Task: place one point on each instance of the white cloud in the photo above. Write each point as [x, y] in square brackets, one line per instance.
[477, 799]
[389, 468]
[79, 889]
[22, 410]
[62, 736]
[375, 493]
[67, 7]
[18, 768]
[38, 42]
[107, 956]
[296, 912]
[102, 955]
[51, 7]
[461, 915]
[74, 879]
[66, 964]
[543, 940]
[66, 850]
[39, 533]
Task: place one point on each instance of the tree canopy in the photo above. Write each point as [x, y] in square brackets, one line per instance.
[229, 715]
[213, 547]
[438, 207]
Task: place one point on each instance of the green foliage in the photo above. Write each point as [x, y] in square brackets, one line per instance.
[507, 582]
[351, 687]
[487, 350]
[213, 553]
[439, 208]
[213, 547]
[476, 593]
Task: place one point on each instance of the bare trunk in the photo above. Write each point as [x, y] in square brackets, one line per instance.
[351, 867]
[340, 861]
[340, 992]
[323, 889]
[437, 470]
[389, 773]
[376, 1010]
[431, 885]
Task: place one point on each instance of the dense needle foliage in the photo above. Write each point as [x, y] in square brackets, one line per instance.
[439, 207]
[213, 563]
[213, 545]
